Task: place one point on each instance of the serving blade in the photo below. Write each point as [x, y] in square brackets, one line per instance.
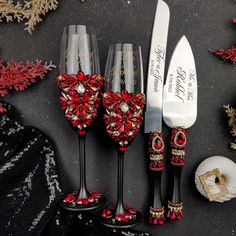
[180, 113]
[180, 89]
[156, 68]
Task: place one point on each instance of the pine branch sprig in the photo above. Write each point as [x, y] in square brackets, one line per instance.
[228, 54]
[10, 11]
[231, 112]
[30, 11]
[19, 75]
[35, 9]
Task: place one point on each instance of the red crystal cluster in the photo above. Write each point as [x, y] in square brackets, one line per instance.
[157, 216]
[124, 116]
[156, 149]
[80, 98]
[72, 198]
[129, 215]
[175, 211]
[178, 144]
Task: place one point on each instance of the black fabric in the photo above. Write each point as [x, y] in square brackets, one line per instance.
[29, 181]
[69, 224]
[30, 191]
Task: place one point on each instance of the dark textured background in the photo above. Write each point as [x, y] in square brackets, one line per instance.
[206, 23]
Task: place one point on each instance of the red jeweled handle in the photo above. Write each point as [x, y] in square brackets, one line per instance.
[156, 149]
[178, 145]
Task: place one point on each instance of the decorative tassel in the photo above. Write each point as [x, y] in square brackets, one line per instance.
[175, 211]
[157, 216]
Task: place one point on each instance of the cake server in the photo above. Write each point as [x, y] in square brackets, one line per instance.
[179, 113]
[153, 113]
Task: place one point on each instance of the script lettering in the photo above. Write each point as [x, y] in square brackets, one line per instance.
[180, 80]
[156, 66]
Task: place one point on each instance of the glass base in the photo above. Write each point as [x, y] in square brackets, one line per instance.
[129, 219]
[73, 203]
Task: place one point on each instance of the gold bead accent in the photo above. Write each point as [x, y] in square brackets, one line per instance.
[175, 206]
[156, 157]
[179, 153]
[157, 212]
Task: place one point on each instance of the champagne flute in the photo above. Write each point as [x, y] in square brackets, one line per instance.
[80, 84]
[123, 100]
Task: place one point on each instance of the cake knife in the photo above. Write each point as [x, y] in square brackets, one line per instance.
[153, 113]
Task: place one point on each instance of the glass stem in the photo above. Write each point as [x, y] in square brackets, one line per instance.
[83, 192]
[120, 205]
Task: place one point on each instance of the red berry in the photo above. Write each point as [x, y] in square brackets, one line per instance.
[161, 222]
[155, 221]
[172, 216]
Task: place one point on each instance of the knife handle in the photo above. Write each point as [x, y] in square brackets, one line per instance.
[178, 145]
[156, 149]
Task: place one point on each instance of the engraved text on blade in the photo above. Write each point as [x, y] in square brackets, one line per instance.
[156, 67]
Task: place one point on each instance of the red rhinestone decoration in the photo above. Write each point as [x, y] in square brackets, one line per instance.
[175, 211]
[178, 144]
[106, 213]
[178, 138]
[157, 216]
[124, 116]
[80, 98]
[129, 215]
[72, 198]
[177, 160]
[156, 149]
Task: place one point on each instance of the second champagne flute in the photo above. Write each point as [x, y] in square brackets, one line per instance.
[123, 100]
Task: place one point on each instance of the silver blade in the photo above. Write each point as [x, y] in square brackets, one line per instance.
[155, 78]
[180, 90]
